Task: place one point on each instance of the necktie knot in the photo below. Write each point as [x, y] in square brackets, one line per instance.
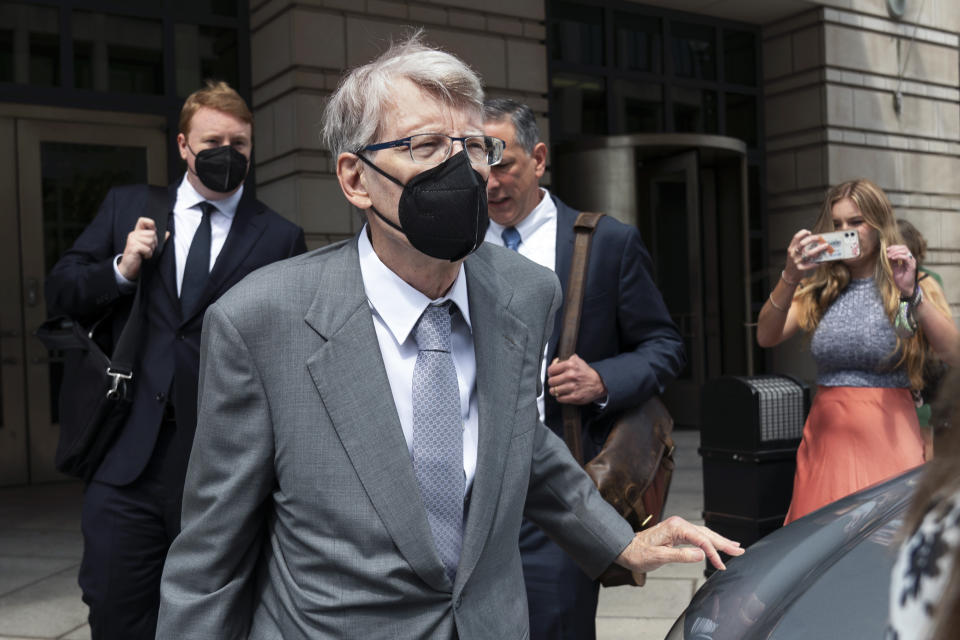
[511, 238]
[207, 208]
[432, 331]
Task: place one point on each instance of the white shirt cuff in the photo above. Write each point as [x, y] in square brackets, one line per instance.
[125, 286]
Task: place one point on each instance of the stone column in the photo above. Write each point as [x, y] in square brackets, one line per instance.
[830, 77]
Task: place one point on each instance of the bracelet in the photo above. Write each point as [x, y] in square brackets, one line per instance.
[906, 323]
[783, 276]
[916, 298]
[776, 306]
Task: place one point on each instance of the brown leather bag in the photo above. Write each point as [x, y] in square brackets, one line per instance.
[635, 465]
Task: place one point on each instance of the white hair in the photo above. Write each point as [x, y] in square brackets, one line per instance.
[353, 116]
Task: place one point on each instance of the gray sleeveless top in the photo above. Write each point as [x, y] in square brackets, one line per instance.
[854, 343]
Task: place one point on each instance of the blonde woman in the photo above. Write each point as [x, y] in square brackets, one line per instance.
[870, 324]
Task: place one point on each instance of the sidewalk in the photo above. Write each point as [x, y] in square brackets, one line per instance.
[40, 548]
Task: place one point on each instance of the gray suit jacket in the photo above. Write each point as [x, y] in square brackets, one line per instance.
[302, 516]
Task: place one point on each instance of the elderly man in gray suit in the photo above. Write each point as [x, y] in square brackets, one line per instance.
[368, 438]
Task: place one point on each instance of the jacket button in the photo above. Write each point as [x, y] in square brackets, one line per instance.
[459, 602]
[180, 336]
[161, 396]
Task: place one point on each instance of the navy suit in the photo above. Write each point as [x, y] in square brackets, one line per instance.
[627, 336]
[132, 506]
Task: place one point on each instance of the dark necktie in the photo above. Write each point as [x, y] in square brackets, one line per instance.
[197, 269]
[511, 238]
[438, 434]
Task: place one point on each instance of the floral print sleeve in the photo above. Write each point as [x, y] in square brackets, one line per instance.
[922, 571]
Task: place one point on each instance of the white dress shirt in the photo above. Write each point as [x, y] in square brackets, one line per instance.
[538, 242]
[538, 233]
[396, 307]
[186, 218]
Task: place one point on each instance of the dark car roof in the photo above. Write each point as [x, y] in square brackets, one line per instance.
[826, 575]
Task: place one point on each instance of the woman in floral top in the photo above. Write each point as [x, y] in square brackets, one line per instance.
[925, 584]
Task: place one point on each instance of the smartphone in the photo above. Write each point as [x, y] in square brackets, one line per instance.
[842, 245]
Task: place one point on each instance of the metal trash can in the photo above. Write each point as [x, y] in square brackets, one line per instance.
[750, 428]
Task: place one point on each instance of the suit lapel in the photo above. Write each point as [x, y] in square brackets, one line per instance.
[349, 374]
[499, 340]
[167, 265]
[566, 217]
[245, 230]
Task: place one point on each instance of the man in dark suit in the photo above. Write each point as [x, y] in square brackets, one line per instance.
[628, 348]
[217, 235]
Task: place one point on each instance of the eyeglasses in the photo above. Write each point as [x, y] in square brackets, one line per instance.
[434, 148]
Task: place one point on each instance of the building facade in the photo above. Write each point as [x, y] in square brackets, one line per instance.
[713, 125]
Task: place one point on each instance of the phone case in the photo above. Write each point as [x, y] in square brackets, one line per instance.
[843, 245]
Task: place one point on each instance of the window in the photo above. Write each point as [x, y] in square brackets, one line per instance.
[117, 53]
[205, 53]
[617, 67]
[29, 44]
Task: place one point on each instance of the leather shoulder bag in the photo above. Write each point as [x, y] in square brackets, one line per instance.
[635, 465]
[97, 389]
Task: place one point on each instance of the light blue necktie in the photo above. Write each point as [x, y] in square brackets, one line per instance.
[511, 238]
[438, 434]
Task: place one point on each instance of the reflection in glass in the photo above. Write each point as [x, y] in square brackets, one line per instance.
[639, 44]
[577, 34]
[670, 260]
[6, 55]
[74, 180]
[29, 44]
[742, 118]
[226, 8]
[739, 57]
[639, 106]
[694, 110]
[755, 194]
[578, 104]
[117, 53]
[204, 53]
[693, 47]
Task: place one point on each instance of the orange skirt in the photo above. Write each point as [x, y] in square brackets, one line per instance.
[854, 437]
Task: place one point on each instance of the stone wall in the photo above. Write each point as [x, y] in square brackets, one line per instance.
[830, 77]
[300, 50]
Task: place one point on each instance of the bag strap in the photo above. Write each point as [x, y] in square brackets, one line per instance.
[572, 306]
[121, 363]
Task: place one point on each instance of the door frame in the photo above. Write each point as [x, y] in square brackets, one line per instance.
[620, 159]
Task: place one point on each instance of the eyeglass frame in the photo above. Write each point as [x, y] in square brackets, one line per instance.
[405, 142]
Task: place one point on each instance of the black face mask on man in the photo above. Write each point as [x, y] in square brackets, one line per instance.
[443, 211]
[220, 169]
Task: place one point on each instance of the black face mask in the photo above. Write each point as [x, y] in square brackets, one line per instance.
[443, 211]
[220, 169]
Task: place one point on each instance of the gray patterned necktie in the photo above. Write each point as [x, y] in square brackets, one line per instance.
[438, 434]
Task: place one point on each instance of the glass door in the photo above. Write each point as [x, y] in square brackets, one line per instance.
[64, 170]
[669, 221]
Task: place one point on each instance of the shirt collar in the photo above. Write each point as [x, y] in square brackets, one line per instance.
[395, 301]
[545, 210]
[187, 197]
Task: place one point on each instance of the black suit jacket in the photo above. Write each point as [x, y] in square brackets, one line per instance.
[82, 285]
[626, 333]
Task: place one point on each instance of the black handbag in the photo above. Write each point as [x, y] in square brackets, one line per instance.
[97, 389]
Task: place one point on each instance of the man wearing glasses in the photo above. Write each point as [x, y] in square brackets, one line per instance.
[368, 436]
[628, 348]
